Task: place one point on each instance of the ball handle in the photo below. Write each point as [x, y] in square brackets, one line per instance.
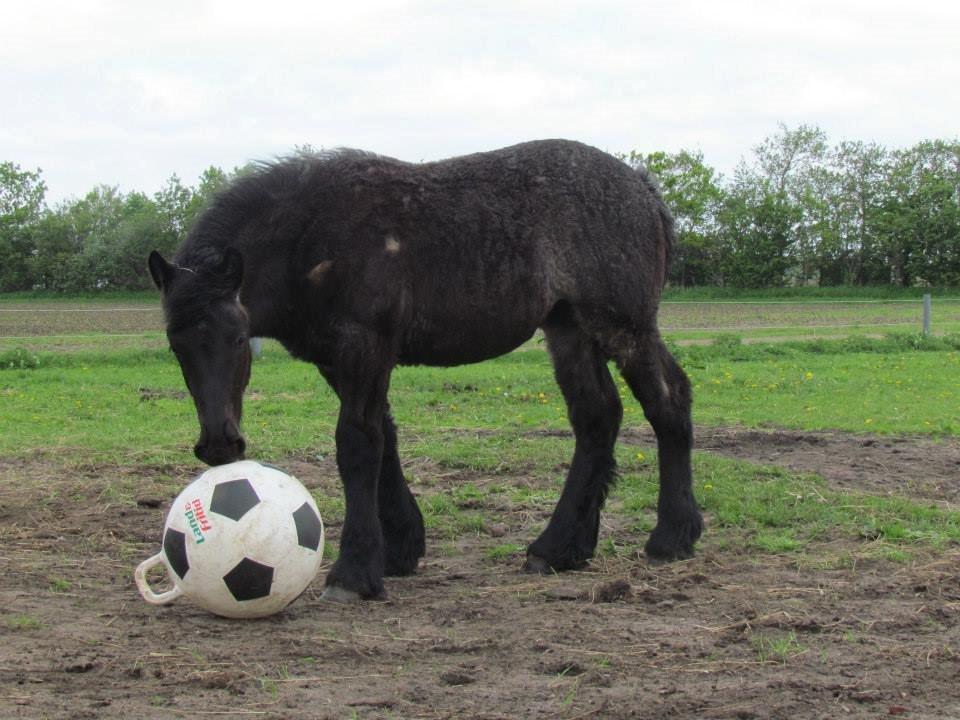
[140, 576]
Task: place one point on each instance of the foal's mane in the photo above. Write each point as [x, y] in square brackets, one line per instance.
[258, 187]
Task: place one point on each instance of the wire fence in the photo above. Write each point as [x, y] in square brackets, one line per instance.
[54, 320]
[811, 317]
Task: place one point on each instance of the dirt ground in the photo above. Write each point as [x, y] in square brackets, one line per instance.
[725, 635]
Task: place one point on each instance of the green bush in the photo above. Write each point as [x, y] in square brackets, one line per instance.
[19, 359]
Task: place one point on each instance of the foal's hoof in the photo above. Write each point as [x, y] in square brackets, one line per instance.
[403, 562]
[349, 582]
[538, 566]
[337, 594]
[674, 542]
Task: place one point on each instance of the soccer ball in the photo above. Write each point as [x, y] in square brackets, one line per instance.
[242, 540]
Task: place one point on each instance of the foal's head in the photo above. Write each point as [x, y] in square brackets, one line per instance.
[208, 330]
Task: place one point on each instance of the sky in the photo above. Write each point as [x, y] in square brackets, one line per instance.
[128, 93]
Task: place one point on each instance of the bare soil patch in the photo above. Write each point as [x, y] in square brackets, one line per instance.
[725, 635]
[39, 318]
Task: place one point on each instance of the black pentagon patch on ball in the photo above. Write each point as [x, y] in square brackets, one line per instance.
[175, 548]
[233, 498]
[249, 580]
[308, 525]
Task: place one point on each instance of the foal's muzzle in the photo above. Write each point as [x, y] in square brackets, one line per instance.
[220, 450]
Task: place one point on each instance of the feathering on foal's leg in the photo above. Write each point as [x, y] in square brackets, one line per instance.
[362, 387]
[663, 390]
[595, 412]
[400, 519]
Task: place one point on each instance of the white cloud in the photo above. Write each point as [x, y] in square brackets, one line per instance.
[127, 93]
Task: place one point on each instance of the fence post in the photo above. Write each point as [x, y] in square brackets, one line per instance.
[926, 313]
[256, 347]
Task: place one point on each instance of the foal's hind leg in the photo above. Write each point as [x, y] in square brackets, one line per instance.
[595, 412]
[663, 389]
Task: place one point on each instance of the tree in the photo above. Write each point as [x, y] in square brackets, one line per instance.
[21, 203]
[789, 169]
[690, 189]
[796, 211]
[850, 250]
[54, 262]
[114, 251]
[212, 180]
[757, 223]
[97, 242]
[175, 204]
[142, 227]
[919, 223]
[102, 240]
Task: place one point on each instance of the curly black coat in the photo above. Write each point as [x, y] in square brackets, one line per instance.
[358, 262]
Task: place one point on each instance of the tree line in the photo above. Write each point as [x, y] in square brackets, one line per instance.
[97, 242]
[800, 211]
[797, 211]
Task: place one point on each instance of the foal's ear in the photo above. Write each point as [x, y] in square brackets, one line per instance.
[161, 271]
[231, 268]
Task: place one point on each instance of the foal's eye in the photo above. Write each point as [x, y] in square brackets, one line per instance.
[241, 341]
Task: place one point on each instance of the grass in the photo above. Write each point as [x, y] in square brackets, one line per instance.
[779, 649]
[504, 551]
[59, 585]
[22, 622]
[883, 388]
[443, 516]
[102, 297]
[130, 405]
[771, 510]
[501, 427]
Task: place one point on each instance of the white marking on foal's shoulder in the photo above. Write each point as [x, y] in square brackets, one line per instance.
[315, 276]
[391, 244]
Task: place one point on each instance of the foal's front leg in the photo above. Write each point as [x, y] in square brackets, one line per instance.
[358, 572]
[400, 519]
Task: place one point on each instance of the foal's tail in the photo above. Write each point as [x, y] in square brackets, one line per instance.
[667, 222]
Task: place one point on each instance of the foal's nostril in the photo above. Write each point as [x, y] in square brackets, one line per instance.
[241, 446]
[207, 456]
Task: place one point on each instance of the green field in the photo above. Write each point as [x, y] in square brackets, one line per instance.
[826, 468]
[127, 406]
[120, 402]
